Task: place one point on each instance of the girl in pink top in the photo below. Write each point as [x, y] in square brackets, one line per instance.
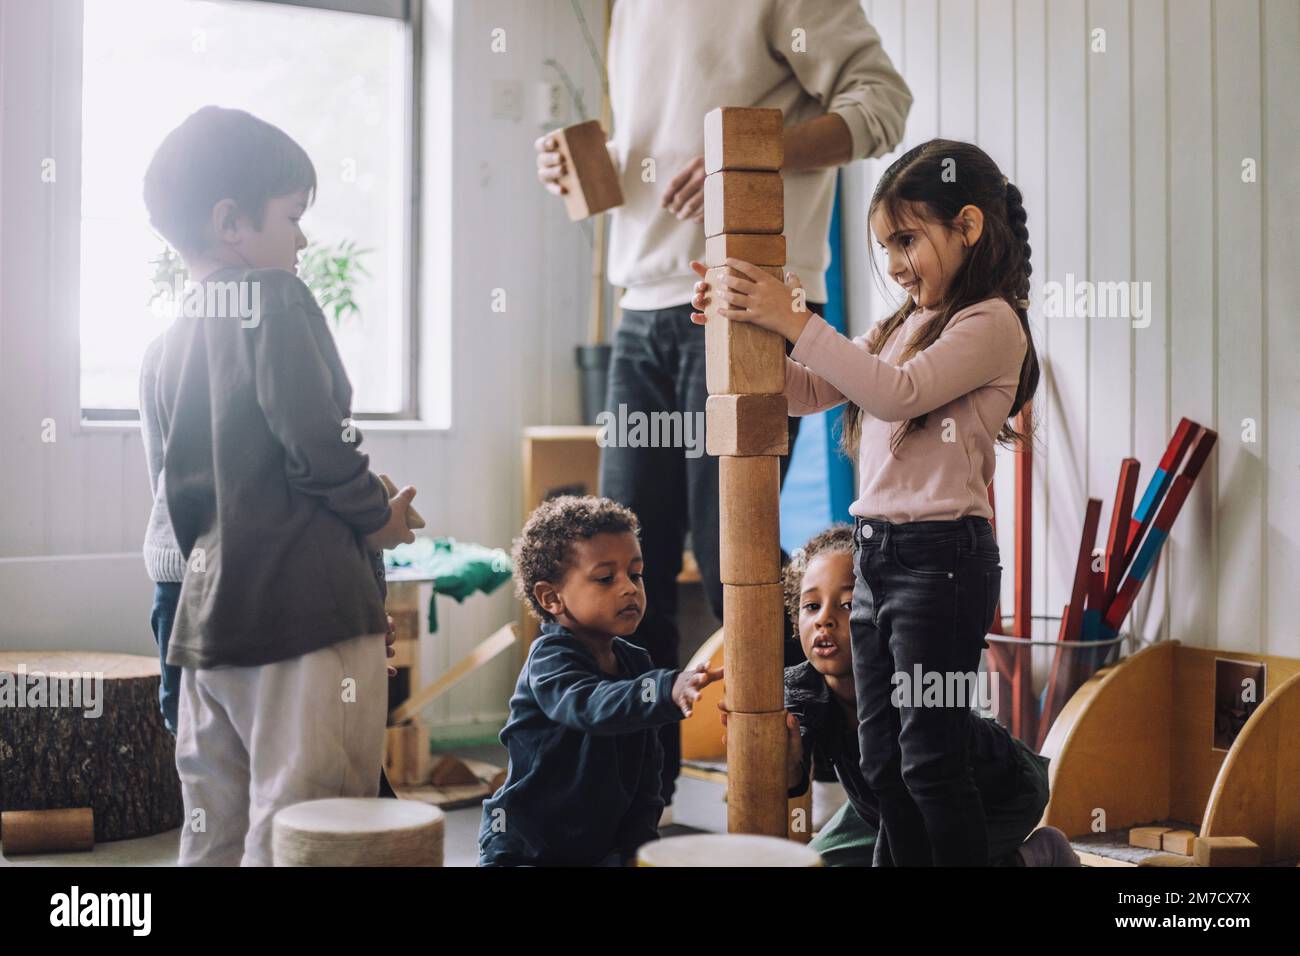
[930, 390]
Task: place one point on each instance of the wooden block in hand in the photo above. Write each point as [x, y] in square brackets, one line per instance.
[749, 526]
[743, 201]
[738, 137]
[758, 248]
[1178, 841]
[746, 425]
[756, 783]
[1226, 851]
[590, 180]
[1147, 837]
[753, 648]
[742, 359]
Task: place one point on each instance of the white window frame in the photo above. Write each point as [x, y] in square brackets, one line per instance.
[416, 399]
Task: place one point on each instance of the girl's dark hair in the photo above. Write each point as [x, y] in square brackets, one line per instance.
[217, 154]
[837, 539]
[933, 182]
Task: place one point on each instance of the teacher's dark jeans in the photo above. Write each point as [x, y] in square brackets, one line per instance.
[658, 366]
[924, 597]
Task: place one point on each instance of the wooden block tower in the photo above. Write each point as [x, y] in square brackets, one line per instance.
[744, 215]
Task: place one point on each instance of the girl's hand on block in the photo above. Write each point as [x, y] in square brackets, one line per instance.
[395, 532]
[689, 684]
[748, 294]
[389, 639]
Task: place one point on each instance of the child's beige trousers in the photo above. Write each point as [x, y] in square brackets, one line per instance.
[251, 740]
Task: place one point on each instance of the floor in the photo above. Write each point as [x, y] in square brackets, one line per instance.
[697, 807]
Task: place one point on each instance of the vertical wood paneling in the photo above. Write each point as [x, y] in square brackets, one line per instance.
[921, 43]
[1110, 397]
[957, 69]
[1281, 228]
[1193, 559]
[1238, 318]
[995, 83]
[995, 112]
[1031, 176]
[1067, 338]
[1151, 424]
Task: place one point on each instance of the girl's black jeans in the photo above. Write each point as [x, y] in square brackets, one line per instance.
[924, 598]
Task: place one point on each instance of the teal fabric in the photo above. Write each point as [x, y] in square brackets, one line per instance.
[457, 569]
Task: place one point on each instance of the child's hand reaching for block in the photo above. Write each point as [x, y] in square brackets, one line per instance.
[746, 293]
[689, 684]
[395, 532]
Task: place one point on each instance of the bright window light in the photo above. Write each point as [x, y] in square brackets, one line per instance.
[333, 81]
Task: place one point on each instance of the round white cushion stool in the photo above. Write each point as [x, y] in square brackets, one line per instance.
[354, 831]
[726, 849]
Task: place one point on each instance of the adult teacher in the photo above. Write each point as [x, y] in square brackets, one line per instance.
[670, 62]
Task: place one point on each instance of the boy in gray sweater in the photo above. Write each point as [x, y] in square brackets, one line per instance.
[279, 631]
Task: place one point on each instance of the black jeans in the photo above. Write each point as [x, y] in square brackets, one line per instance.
[658, 366]
[924, 597]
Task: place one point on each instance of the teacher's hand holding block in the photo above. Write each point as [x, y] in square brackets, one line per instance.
[575, 160]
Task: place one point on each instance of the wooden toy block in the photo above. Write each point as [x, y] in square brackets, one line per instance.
[738, 137]
[1226, 851]
[742, 359]
[749, 493]
[64, 830]
[406, 754]
[1167, 859]
[714, 279]
[591, 182]
[743, 201]
[1178, 841]
[756, 785]
[753, 651]
[746, 425]
[1147, 837]
[761, 250]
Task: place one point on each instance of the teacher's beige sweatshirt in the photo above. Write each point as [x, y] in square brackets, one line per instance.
[672, 61]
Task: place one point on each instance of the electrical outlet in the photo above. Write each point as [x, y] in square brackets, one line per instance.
[550, 104]
[507, 100]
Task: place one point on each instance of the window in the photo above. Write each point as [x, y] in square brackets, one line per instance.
[338, 81]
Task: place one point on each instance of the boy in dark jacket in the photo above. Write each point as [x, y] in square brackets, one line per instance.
[583, 784]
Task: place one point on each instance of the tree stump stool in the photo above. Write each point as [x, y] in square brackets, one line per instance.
[84, 729]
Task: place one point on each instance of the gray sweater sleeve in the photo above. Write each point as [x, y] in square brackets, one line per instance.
[296, 371]
[150, 427]
[162, 555]
[845, 68]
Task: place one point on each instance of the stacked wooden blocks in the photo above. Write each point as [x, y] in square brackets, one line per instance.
[746, 427]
